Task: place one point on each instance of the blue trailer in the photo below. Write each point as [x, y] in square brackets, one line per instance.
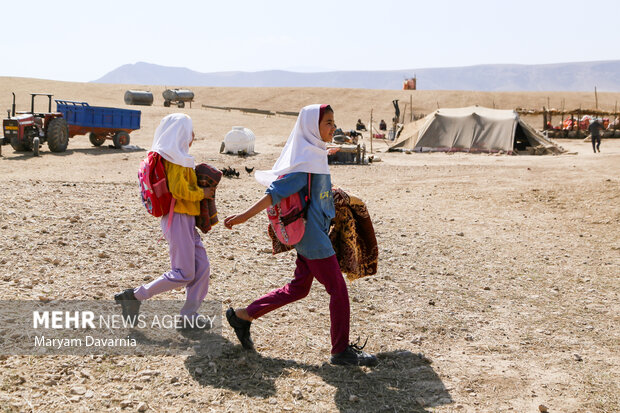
[100, 123]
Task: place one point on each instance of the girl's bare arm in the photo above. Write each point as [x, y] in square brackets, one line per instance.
[259, 206]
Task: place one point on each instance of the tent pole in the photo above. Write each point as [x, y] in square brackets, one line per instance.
[596, 98]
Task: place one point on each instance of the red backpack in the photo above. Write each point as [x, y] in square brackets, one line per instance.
[156, 197]
[288, 218]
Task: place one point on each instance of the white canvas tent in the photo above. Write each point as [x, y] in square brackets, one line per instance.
[475, 129]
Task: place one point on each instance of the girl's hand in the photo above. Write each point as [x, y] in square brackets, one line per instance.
[232, 220]
[209, 193]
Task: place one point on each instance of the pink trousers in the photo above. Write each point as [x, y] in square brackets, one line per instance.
[327, 272]
[188, 262]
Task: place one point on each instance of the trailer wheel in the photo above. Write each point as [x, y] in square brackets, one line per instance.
[167, 103]
[181, 104]
[95, 140]
[120, 139]
[35, 146]
[58, 135]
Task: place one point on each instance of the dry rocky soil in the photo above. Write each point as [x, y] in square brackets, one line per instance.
[497, 287]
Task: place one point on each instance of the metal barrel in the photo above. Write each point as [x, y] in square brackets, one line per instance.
[178, 95]
[138, 97]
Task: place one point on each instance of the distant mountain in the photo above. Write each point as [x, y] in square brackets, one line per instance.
[605, 75]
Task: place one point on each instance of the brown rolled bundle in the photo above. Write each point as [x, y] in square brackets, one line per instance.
[352, 235]
[208, 177]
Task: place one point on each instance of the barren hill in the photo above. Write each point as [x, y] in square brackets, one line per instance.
[581, 76]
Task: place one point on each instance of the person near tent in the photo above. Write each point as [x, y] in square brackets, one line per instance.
[595, 129]
[360, 125]
[382, 125]
[303, 168]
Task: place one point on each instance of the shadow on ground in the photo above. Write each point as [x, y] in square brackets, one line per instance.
[95, 150]
[402, 381]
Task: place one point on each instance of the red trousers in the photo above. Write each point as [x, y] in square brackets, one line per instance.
[327, 272]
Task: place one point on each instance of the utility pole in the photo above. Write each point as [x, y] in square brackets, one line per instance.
[371, 131]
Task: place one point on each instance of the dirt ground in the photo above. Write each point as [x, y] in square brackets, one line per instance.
[497, 287]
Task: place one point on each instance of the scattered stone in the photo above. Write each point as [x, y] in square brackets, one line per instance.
[89, 394]
[297, 394]
[198, 371]
[431, 302]
[142, 407]
[103, 254]
[460, 234]
[420, 401]
[353, 398]
[577, 357]
[543, 409]
[125, 404]
[149, 373]
[75, 399]
[78, 390]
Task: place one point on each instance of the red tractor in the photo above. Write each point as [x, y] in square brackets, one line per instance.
[27, 131]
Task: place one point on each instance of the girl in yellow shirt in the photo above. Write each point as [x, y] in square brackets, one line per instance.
[188, 259]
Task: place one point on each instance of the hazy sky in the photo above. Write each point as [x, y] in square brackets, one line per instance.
[83, 40]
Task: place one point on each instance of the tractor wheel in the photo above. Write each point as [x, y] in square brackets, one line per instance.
[35, 146]
[95, 140]
[20, 146]
[167, 103]
[58, 135]
[120, 139]
[181, 104]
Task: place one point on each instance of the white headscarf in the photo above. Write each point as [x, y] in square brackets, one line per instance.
[172, 139]
[304, 151]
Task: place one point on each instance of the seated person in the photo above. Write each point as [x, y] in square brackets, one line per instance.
[360, 125]
[382, 125]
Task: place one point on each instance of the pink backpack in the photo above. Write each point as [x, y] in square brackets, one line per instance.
[288, 218]
[156, 197]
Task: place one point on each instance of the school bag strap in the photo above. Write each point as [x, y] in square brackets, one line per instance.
[293, 215]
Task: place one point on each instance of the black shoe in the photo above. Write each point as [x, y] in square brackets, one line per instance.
[241, 327]
[354, 356]
[130, 305]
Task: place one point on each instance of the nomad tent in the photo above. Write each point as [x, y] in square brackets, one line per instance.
[475, 129]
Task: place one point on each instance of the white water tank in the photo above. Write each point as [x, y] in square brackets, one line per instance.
[239, 139]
